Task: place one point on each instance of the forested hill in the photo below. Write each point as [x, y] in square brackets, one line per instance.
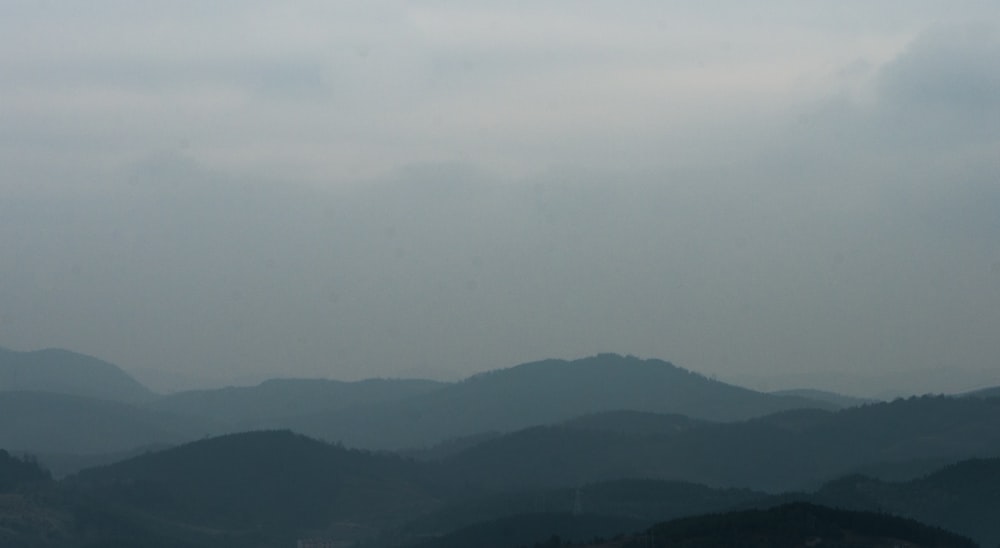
[278, 479]
[15, 471]
[543, 392]
[789, 450]
[963, 497]
[801, 524]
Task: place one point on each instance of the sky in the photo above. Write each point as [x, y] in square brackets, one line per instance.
[777, 193]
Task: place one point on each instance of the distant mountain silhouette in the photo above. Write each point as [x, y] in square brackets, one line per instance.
[834, 398]
[65, 372]
[542, 393]
[269, 403]
[991, 392]
[635, 422]
[788, 450]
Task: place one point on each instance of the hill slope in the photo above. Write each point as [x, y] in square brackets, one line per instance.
[962, 497]
[542, 393]
[787, 450]
[65, 372]
[43, 422]
[802, 524]
[273, 479]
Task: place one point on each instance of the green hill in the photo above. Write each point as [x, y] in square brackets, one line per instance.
[799, 524]
[527, 529]
[275, 480]
[963, 497]
[639, 500]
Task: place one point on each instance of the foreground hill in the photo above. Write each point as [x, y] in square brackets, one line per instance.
[274, 481]
[801, 524]
[269, 488]
[789, 450]
[543, 392]
[641, 501]
[15, 472]
[962, 497]
[790, 525]
[551, 530]
[65, 372]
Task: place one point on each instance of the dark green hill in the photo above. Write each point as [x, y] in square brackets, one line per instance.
[799, 524]
[65, 372]
[543, 392]
[644, 501]
[43, 422]
[267, 404]
[15, 471]
[788, 450]
[275, 480]
[551, 530]
[963, 497]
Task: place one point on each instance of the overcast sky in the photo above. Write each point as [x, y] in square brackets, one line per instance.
[776, 192]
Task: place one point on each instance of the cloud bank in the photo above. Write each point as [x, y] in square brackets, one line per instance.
[245, 190]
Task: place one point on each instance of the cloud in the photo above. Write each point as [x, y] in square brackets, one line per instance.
[952, 68]
[357, 190]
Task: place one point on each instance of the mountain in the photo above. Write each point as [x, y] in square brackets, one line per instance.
[963, 497]
[274, 481]
[635, 422]
[269, 488]
[991, 392]
[801, 524]
[627, 422]
[639, 500]
[840, 400]
[542, 393]
[44, 422]
[65, 372]
[268, 403]
[788, 450]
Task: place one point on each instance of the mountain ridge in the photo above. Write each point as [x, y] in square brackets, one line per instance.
[66, 372]
[543, 392]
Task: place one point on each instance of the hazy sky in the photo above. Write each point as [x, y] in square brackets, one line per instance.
[782, 190]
